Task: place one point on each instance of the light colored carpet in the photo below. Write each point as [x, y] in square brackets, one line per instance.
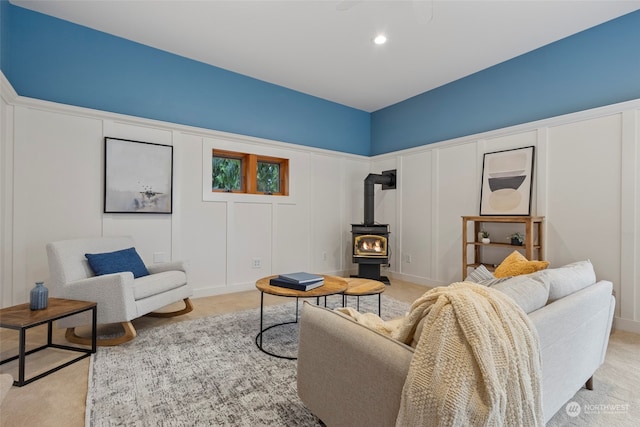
[206, 372]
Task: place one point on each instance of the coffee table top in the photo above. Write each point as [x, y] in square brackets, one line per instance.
[332, 285]
[21, 316]
[361, 287]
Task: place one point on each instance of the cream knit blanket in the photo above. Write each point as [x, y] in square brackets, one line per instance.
[477, 359]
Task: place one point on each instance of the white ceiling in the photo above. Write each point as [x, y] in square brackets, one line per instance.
[324, 48]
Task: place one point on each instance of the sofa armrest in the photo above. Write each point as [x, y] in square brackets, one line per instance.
[574, 334]
[349, 374]
[112, 292]
[167, 266]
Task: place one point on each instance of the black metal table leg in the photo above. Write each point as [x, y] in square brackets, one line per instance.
[263, 330]
[21, 363]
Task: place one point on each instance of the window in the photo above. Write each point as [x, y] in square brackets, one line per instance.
[227, 174]
[234, 172]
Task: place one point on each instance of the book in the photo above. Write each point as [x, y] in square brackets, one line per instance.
[300, 277]
[297, 286]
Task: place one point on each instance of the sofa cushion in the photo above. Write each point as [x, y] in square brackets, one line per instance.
[479, 274]
[568, 279]
[516, 264]
[158, 283]
[117, 262]
[482, 276]
[530, 292]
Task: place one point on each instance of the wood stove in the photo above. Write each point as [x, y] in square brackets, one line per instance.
[370, 241]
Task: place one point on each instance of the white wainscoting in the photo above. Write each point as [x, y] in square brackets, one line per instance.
[53, 189]
[587, 175]
[587, 185]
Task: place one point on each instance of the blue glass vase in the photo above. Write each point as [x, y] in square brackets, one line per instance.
[39, 297]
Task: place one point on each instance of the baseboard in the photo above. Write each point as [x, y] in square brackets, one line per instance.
[224, 289]
[626, 325]
[416, 279]
[208, 291]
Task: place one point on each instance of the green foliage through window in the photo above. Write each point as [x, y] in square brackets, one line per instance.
[227, 174]
[248, 173]
[268, 177]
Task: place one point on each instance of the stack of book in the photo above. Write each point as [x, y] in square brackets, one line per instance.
[299, 281]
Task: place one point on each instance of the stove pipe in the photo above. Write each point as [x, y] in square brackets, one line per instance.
[388, 181]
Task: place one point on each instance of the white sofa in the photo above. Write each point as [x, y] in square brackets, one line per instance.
[349, 375]
[120, 297]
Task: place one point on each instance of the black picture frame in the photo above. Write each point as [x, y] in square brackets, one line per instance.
[138, 177]
[507, 182]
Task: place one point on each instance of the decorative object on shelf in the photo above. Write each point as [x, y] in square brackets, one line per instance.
[485, 237]
[507, 178]
[516, 238]
[39, 297]
[138, 177]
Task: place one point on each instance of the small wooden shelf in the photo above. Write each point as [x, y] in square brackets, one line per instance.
[533, 229]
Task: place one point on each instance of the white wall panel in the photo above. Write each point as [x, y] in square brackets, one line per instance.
[6, 207]
[632, 263]
[291, 239]
[250, 231]
[511, 141]
[327, 221]
[499, 232]
[57, 191]
[457, 195]
[416, 189]
[628, 299]
[353, 174]
[202, 227]
[151, 232]
[583, 199]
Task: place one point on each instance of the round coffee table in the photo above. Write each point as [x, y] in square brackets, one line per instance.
[359, 287]
[332, 285]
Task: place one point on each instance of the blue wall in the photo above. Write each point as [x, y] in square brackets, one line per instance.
[47, 58]
[599, 66]
[55, 60]
[4, 30]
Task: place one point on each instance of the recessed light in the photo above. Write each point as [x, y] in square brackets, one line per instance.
[380, 39]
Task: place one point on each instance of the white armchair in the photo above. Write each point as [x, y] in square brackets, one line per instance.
[120, 297]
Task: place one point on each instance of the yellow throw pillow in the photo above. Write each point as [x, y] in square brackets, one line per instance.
[516, 264]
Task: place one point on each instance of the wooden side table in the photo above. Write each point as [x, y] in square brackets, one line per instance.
[21, 318]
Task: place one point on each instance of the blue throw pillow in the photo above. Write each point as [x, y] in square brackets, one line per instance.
[117, 262]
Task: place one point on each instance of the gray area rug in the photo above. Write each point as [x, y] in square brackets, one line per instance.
[207, 372]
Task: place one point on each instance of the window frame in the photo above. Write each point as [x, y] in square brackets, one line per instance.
[249, 170]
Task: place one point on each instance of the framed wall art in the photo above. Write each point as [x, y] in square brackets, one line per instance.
[507, 178]
[138, 177]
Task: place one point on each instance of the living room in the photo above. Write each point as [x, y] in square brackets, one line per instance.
[587, 165]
